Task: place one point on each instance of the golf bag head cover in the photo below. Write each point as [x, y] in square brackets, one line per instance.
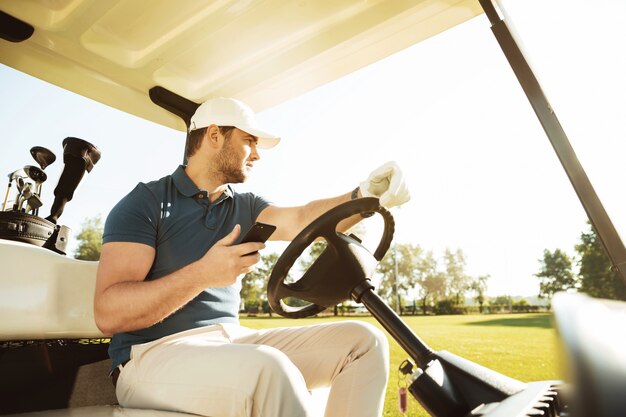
[78, 156]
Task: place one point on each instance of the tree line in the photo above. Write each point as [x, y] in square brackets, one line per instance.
[412, 279]
[406, 274]
[589, 272]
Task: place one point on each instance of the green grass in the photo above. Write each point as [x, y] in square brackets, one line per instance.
[522, 346]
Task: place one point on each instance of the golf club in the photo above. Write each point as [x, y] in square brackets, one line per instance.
[27, 192]
[42, 156]
[19, 181]
[33, 203]
[6, 196]
[17, 176]
[37, 175]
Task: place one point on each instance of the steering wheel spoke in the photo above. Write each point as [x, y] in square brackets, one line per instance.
[301, 311]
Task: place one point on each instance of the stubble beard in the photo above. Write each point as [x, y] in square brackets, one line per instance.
[228, 168]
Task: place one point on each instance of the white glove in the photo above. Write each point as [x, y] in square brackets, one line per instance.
[386, 183]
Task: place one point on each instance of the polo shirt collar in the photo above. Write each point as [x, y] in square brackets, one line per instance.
[187, 187]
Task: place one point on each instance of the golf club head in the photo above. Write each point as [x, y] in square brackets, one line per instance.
[27, 190]
[27, 193]
[16, 174]
[42, 156]
[33, 203]
[36, 174]
[19, 181]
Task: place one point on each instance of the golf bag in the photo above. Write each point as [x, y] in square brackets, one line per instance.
[23, 224]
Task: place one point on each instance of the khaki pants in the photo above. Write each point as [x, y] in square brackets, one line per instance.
[227, 370]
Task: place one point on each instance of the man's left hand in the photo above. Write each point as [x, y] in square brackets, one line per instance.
[387, 183]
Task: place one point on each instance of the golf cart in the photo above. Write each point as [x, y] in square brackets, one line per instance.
[53, 358]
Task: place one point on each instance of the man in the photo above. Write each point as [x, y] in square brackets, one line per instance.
[168, 290]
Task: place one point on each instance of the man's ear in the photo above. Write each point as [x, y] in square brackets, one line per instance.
[213, 135]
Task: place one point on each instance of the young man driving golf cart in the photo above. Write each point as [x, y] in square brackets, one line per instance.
[169, 279]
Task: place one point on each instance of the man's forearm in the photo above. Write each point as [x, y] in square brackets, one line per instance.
[314, 209]
[132, 305]
[292, 220]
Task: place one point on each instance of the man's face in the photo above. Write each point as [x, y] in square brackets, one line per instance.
[237, 156]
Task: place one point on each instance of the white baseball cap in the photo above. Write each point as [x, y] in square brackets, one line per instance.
[224, 111]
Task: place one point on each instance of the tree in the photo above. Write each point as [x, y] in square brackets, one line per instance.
[434, 287]
[90, 239]
[503, 300]
[596, 276]
[555, 274]
[431, 283]
[407, 257]
[458, 280]
[386, 284]
[254, 284]
[479, 286]
[315, 250]
[521, 305]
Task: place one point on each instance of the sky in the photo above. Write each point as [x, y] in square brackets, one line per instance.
[449, 111]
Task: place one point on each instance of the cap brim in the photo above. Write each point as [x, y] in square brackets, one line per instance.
[267, 140]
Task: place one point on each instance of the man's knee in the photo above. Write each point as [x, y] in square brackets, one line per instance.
[367, 340]
[274, 365]
[280, 388]
[366, 334]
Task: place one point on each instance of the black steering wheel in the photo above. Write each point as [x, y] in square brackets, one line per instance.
[344, 264]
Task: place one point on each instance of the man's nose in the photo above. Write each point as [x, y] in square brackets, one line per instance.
[254, 155]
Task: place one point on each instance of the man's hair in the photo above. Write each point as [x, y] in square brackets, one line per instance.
[194, 138]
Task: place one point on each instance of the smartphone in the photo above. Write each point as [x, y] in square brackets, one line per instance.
[259, 232]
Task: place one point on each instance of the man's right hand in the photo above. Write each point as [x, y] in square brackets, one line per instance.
[226, 261]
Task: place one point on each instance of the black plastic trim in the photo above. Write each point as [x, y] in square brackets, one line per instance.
[13, 29]
[172, 102]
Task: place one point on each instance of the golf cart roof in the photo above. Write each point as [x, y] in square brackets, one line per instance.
[260, 52]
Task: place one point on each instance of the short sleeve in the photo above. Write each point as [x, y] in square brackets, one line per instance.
[258, 204]
[134, 219]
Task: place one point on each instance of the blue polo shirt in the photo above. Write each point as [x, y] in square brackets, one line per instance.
[177, 219]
